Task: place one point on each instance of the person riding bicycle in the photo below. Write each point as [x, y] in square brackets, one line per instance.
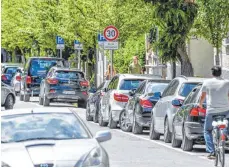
[216, 92]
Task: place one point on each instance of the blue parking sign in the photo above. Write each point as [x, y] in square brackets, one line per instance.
[59, 40]
[101, 38]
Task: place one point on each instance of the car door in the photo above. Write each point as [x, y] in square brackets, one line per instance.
[3, 94]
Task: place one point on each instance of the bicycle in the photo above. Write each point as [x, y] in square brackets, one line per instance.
[220, 135]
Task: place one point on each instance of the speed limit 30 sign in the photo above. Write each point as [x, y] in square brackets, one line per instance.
[110, 33]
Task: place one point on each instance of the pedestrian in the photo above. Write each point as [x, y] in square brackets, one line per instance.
[216, 93]
[135, 67]
[108, 72]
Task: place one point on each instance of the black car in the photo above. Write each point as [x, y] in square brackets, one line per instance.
[188, 122]
[64, 85]
[8, 73]
[136, 116]
[93, 103]
[34, 72]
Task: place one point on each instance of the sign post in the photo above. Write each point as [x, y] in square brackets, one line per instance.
[60, 44]
[101, 41]
[78, 46]
[111, 34]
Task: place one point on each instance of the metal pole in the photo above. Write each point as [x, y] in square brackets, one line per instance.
[76, 58]
[103, 64]
[86, 66]
[111, 75]
[60, 53]
[79, 67]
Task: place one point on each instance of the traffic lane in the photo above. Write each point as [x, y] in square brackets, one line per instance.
[126, 149]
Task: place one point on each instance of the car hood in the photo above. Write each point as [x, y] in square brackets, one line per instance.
[62, 153]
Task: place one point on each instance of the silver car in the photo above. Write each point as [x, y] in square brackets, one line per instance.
[16, 81]
[8, 97]
[50, 137]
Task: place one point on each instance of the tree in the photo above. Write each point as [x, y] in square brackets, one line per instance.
[212, 22]
[175, 20]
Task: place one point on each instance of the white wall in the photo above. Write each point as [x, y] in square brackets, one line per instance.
[201, 55]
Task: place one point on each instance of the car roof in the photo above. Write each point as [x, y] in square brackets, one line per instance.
[159, 80]
[138, 76]
[66, 69]
[191, 79]
[46, 58]
[36, 110]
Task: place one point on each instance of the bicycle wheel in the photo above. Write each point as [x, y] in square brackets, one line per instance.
[216, 144]
[222, 151]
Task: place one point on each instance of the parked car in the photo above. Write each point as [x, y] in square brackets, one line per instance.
[188, 122]
[136, 116]
[64, 85]
[117, 95]
[35, 71]
[163, 112]
[8, 72]
[16, 81]
[8, 97]
[93, 103]
[50, 137]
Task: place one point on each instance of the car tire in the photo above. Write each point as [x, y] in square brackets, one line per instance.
[41, 100]
[100, 118]
[123, 127]
[95, 117]
[112, 124]
[136, 128]
[26, 98]
[175, 143]
[9, 103]
[153, 135]
[167, 133]
[21, 97]
[187, 145]
[46, 101]
[88, 117]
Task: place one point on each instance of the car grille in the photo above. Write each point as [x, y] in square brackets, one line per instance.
[44, 165]
[146, 115]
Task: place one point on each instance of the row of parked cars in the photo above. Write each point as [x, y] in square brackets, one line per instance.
[141, 102]
[47, 78]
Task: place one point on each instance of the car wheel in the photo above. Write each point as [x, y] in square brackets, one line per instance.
[26, 98]
[112, 124]
[153, 135]
[46, 101]
[187, 145]
[100, 118]
[9, 104]
[175, 143]
[21, 97]
[95, 117]
[41, 100]
[167, 133]
[88, 117]
[136, 128]
[122, 120]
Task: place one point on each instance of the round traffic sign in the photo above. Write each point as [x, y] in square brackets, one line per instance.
[110, 33]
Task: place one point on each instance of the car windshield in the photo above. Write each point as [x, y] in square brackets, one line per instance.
[69, 74]
[156, 87]
[186, 88]
[39, 67]
[57, 126]
[129, 84]
[11, 70]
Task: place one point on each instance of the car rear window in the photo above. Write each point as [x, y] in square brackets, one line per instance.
[186, 88]
[156, 87]
[129, 84]
[39, 67]
[11, 70]
[58, 126]
[69, 74]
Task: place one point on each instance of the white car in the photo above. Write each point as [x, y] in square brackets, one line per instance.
[117, 95]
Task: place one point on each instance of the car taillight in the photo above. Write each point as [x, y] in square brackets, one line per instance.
[84, 83]
[28, 80]
[146, 103]
[197, 112]
[84, 93]
[121, 97]
[18, 78]
[52, 81]
[52, 91]
[4, 77]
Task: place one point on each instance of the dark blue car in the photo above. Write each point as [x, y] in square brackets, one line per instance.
[8, 73]
[137, 114]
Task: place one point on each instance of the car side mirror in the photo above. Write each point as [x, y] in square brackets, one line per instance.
[157, 94]
[102, 136]
[176, 103]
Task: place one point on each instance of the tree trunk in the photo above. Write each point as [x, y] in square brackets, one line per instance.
[174, 69]
[186, 66]
[217, 61]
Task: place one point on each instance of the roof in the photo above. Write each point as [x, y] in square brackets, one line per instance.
[140, 76]
[66, 69]
[192, 79]
[46, 58]
[159, 80]
[36, 110]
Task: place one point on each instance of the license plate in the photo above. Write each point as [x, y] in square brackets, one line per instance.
[69, 92]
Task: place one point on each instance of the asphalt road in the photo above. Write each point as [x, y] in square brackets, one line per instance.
[129, 150]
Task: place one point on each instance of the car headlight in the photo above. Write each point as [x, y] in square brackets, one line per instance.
[94, 158]
[4, 165]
